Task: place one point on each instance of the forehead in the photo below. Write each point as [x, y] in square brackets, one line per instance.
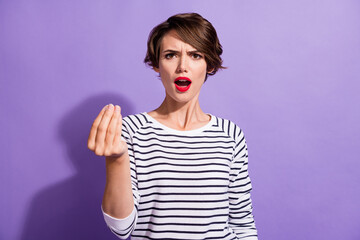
[171, 40]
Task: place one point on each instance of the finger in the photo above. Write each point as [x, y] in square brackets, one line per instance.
[117, 138]
[110, 134]
[93, 130]
[102, 130]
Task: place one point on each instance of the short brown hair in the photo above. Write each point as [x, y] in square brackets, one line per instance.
[192, 29]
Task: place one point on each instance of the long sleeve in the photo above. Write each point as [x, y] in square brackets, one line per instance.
[241, 219]
[123, 228]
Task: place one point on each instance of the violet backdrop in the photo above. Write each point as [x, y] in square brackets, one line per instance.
[292, 85]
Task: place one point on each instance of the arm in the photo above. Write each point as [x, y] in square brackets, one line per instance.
[123, 227]
[118, 201]
[241, 220]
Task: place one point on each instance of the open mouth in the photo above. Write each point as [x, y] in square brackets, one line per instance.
[182, 84]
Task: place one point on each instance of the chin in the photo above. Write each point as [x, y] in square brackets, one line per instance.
[182, 98]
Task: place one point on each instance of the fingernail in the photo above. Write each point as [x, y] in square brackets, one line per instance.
[110, 106]
[106, 107]
[117, 108]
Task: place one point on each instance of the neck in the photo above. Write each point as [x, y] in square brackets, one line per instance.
[183, 116]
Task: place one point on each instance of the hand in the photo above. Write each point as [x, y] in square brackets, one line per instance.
[105, 134]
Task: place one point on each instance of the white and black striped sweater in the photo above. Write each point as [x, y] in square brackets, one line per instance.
[187, 184]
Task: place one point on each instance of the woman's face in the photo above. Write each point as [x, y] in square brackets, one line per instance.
[181, 67]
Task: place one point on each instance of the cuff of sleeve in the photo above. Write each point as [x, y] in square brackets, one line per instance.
[119, 224]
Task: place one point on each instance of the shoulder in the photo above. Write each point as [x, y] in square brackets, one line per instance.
[229, 127]
[132, 123]
[236, 134]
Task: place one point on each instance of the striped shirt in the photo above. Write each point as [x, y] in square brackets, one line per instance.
[186, 184]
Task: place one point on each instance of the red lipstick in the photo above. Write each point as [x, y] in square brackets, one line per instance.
[182, 83]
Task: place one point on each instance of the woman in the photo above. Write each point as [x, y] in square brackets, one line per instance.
[176, 172]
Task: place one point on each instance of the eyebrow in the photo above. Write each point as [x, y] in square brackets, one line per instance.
[174, 51]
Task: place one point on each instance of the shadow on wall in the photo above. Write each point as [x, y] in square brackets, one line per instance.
[71, 208]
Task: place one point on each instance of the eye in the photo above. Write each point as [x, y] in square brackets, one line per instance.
[196, 56]
[169, 55]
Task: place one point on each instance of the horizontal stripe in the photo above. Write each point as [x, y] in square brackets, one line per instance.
[183, 193]
[174, 171]
[182, 209]
[181, 158]
[176, 153]
[183, 165]
[183, 216]
[182, 141]
[186, 201]
[183, 223]
[176, 136]
[184, 147]
[184, 232]
[181, 179]
[182, 186]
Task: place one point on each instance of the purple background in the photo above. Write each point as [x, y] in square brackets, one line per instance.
[292, 85]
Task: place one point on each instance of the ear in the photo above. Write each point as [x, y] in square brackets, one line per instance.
[211, 70]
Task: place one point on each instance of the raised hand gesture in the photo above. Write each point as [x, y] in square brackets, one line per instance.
[105, 134]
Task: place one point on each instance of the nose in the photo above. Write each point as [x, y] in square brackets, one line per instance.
[182, 65]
